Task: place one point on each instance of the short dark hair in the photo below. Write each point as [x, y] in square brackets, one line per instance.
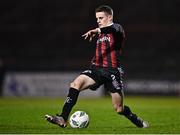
[104, 8]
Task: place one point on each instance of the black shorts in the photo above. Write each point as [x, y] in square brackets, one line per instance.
[112, 78]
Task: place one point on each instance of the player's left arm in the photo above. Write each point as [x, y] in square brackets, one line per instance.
[116, 30]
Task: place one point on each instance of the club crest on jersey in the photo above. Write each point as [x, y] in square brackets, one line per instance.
[104, 38]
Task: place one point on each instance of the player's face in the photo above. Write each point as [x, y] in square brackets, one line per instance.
[103, 19]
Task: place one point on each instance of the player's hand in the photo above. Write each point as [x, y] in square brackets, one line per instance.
[90, 34]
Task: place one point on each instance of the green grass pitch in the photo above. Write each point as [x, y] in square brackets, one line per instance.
[26, 116]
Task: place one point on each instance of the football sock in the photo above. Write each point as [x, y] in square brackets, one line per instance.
[126, 111]
[131, 116]
[69, 102]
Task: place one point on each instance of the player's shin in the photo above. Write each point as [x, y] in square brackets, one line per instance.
[69, 103]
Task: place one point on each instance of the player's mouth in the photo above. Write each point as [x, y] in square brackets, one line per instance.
[99, 25]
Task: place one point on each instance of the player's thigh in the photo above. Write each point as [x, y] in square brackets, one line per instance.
[82, 82]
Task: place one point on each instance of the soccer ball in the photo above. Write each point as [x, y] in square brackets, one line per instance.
[79, 119]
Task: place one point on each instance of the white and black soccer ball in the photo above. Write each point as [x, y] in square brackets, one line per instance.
[79, 119]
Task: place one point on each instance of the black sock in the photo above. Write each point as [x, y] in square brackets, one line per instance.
[131, 116]
[69, 102]
[127, 112]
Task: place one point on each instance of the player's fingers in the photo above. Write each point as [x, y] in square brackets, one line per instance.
[84, 35]
[87, 33]
[91, 37]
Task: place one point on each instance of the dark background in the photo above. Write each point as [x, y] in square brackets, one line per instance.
[45, 35]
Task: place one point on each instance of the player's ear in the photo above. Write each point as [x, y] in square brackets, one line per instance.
[110, 17]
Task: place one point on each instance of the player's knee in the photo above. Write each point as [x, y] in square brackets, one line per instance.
[74, 85]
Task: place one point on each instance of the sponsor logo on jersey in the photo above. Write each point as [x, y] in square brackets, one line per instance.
[105, 38]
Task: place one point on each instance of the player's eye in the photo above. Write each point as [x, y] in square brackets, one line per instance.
[99, 18]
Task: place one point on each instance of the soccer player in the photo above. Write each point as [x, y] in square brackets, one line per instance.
[105, 69]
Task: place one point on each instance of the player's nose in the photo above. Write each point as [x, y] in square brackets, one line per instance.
[98, 21]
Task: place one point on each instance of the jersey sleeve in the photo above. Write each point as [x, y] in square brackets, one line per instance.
[112, 29]
[107, 30]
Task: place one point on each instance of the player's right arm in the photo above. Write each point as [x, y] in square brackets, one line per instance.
[91, 33]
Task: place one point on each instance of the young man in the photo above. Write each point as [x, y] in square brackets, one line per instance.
[105, 69]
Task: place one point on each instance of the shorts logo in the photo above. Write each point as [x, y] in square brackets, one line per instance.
[120, 71]
[87, 71]
[113, 77]
[115, 82]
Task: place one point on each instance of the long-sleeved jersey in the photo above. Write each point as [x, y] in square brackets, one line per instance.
[109, 47]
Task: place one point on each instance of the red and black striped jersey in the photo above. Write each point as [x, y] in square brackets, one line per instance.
[109, 47]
